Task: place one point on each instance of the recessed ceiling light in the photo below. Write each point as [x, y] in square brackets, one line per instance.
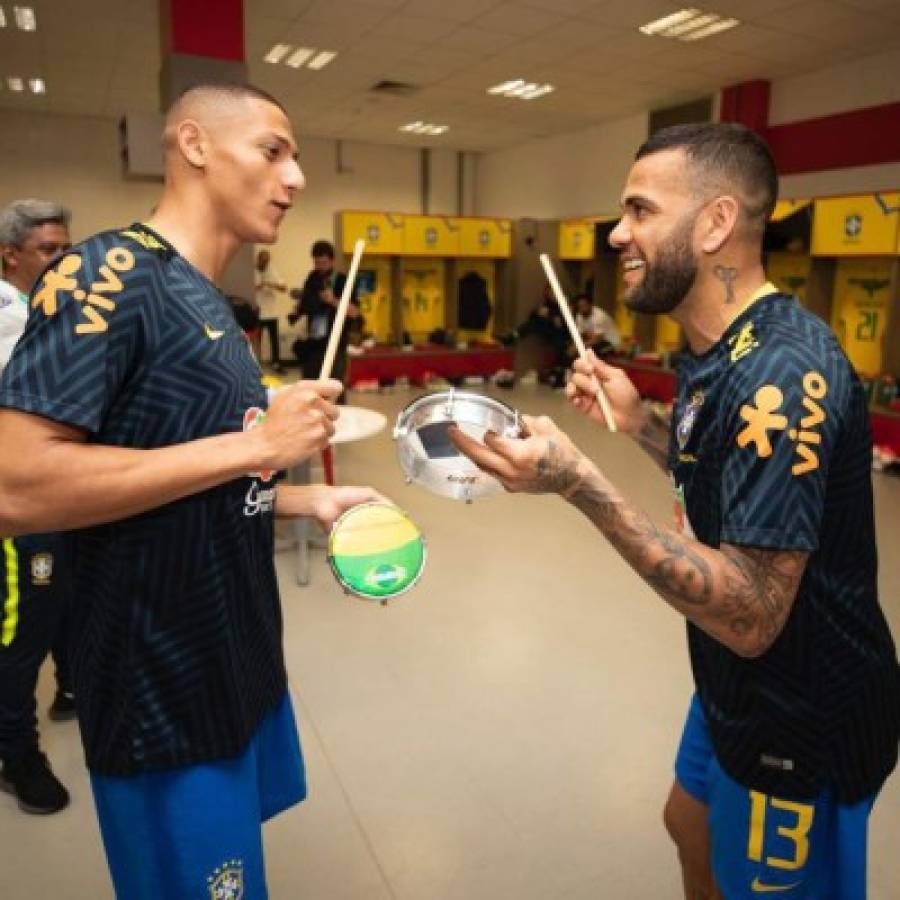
[715, 28]
[14, 83]
[524, 90]
[688, 25]
[277, 53]
[321, 59]
[299, 56]
[420, 127]
[37, 85]
[25, 19]
[676, 18]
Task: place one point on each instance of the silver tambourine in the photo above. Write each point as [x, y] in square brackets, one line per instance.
[427, 455]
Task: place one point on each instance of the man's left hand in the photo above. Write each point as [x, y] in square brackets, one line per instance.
[545, 461]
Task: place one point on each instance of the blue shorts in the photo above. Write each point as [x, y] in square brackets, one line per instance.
[196, 832]
[759, 844]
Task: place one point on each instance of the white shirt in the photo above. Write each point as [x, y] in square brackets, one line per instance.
[266, 296]
[599, 323]
[13, 316]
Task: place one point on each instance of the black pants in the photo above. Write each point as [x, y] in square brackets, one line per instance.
[270, 327]
[35, 594]
[311, 356]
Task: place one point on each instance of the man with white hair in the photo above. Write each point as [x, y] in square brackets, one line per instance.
[33, 589]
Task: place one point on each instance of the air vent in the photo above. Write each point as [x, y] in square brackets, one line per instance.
[394, 88]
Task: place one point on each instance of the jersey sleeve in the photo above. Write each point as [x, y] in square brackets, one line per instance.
[83, 336]
[782, 420]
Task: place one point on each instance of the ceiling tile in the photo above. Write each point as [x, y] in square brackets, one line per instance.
[514, 18]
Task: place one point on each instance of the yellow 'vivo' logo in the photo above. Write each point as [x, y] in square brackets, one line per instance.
[98, 297]
[763, 417]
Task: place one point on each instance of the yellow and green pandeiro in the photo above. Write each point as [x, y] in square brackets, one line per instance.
[376, 551]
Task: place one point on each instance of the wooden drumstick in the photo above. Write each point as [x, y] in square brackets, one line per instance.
[336, 329]
[602, 399]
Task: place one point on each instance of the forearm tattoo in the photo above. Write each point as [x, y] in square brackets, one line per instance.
[740, 596]
[556, 473]
[728, 276]
[654, 438]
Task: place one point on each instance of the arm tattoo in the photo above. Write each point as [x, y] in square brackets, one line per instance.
[555, 473]
[654, 438]
[740, 596]
[728, 276]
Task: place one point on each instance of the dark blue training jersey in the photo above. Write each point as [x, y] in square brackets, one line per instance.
[771, 448]
[177, 625]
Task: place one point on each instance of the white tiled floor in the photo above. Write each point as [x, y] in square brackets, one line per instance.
[503, 732]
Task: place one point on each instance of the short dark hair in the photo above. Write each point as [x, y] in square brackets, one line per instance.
[230, 90]
[322, 248]
[726, 154]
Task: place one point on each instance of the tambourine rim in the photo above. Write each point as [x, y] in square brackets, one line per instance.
[340, 579]
[487, 399]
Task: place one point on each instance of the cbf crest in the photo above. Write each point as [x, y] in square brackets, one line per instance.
[227, 881]
[688, 418]
[41, 568]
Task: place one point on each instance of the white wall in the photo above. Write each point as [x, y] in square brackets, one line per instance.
[75, 160]
[583, 172]
[563, 176]
[871, 81]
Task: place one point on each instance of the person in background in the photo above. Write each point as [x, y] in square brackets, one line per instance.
[268, 285]
[34, 587]
[318, 300]
[596, 326]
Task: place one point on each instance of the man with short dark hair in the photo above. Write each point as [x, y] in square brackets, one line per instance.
[135, 398]
[794, 725]
[34, 583]
[318, 300]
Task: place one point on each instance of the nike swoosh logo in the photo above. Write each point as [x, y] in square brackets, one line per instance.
[211, 333]
[760, 887]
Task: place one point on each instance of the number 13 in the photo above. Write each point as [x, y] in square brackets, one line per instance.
[798, 835]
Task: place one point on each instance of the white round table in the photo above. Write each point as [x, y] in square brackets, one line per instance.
[355, 423]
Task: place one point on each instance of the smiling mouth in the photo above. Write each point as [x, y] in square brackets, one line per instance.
[632, 265]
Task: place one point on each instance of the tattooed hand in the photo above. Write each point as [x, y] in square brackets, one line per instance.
[544, 462]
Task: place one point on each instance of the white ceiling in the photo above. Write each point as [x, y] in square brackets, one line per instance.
[101, 57]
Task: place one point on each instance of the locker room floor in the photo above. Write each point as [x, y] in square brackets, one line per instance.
[504, 732]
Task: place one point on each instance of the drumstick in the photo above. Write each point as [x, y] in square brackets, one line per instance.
[602, 399]
[336, 329]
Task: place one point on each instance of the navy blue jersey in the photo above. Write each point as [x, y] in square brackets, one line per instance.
[177, 653]
[771, 448]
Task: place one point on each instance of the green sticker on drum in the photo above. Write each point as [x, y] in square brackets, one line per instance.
[376, 551]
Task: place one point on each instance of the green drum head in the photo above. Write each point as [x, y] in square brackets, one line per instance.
[376, 551]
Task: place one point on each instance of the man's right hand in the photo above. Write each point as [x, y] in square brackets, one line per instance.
[300, 420]
[623, 397]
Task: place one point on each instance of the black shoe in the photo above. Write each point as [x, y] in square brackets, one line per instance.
[63, 707]
[30, 778]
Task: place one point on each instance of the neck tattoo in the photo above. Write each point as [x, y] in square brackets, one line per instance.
[727, 276]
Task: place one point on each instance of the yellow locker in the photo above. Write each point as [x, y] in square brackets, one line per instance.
[431, 236]
[484, 268]
[856, 226]
[382, 232]
[862, 289]
[423, 297]
[668, 335]
[374, 292]
[576, 239]
[485, 237]
[789, 272]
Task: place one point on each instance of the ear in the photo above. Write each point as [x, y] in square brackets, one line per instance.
[720, 220]
[9, 256]
[193, 142]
